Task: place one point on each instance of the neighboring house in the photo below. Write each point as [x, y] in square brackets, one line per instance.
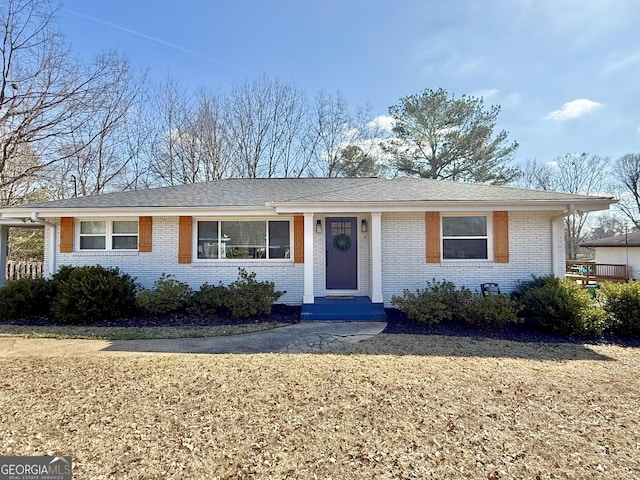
[316, 237]
[618, 250]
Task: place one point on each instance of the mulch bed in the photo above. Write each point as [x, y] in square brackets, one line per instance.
[397, 323]
[279, 314]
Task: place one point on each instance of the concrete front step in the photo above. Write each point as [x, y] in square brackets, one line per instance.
[355, 309]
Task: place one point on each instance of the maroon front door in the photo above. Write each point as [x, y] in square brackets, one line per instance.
[341, 253]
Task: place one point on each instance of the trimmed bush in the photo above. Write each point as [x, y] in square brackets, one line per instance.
[622, 302]
[560, 306]
[168, 295]
[247, 297]
[26, 297]
[492, 312]
[92, 294]
[438, 302]
[208, 300]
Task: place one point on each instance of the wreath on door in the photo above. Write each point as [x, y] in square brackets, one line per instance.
[342, 242]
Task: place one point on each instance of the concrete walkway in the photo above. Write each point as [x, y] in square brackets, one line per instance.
[305, 337]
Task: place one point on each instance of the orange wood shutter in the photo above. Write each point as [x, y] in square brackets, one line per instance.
[432, 224]
[145, 225]
[501, 237]
[184, 239]
[66, 235]
[298, 239]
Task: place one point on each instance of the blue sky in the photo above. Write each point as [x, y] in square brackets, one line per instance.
[566, 72]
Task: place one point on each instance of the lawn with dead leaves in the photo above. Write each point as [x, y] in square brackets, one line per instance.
[394, 407]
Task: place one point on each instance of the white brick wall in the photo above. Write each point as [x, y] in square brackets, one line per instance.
[403, 262]
[404, 254]
[147, 267]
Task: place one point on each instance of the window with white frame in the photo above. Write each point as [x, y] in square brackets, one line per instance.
[243, 239]
[108, 235]
[465, 237]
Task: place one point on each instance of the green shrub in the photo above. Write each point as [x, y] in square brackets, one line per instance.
[26, 297]
[207, 300]
[168, 295]
[438, 302]
[90, 294]
[622, 302]
[492, 312]
[560, 306]
[247, 297]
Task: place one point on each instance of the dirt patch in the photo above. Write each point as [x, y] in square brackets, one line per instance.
[426, 407]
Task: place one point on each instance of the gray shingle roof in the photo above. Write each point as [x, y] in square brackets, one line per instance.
[632, 239]
[258, 192]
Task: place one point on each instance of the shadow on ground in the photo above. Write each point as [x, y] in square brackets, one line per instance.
[351, 338]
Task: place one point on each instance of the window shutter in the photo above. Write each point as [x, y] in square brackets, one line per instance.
[145, 225]
[432, 224]
[298, 239]
[501, 237]
[66, 234]
[185, 233]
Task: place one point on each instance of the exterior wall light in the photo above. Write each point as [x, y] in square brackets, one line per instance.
[318, 226]
[363, 225]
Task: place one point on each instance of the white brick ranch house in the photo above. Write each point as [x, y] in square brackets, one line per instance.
[315, 237]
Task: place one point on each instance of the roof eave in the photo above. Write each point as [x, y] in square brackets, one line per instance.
[270, 208]
[443, 206]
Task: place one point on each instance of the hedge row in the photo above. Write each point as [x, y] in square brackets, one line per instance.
[547, 304]
[80, 295]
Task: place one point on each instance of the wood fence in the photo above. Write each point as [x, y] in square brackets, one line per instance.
[16, 270]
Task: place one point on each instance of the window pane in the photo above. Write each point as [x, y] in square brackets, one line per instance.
[279, 243]
[467, 248]
[128, 226]
[464, 226]
[245, 239]
[92, 243]
[122, 242]
[207, 239]
[93, 227]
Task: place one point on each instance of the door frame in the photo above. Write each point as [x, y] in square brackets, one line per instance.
[355, 233]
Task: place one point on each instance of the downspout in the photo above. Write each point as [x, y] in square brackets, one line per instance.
[571, 208]
[52, 241]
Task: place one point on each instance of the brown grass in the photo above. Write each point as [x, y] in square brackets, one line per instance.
[132, 333]
[395, 407]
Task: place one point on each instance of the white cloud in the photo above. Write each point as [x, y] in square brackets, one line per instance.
[573, 109]
[485, 94]
[383, 122]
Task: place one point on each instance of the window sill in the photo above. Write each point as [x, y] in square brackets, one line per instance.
[105, 253]
[243, 263]
[467, 263]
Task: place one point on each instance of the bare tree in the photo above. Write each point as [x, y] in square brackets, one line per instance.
[263, 120]
[571, 173]
[626, 180]
[339, 140]
[171, 113]
[191, 143]
[100, 153]
[45, 97]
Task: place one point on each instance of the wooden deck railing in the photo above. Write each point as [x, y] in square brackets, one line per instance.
[586, 272]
